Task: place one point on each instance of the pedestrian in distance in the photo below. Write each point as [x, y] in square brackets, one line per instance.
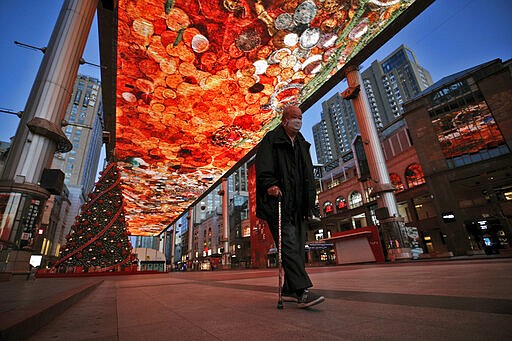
[284, 171]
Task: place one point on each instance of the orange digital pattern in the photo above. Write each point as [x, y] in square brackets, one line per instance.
[199, 83]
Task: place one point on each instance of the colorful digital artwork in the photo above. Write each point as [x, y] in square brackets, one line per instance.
[199, 83]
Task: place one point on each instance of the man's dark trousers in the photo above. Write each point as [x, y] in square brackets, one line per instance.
[293, 233]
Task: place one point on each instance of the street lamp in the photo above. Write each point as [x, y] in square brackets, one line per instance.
[65, 123]
[43, 50]
[7, 111]
[105, 134]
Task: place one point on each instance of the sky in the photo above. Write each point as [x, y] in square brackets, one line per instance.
[448, 37]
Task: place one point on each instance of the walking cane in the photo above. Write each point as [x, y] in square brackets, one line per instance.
[279, 259]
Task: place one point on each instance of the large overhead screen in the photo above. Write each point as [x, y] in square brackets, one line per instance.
[199, 82]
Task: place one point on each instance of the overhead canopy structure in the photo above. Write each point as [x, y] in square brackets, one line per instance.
[197, 83]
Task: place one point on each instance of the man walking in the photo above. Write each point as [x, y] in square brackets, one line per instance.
[284, 171]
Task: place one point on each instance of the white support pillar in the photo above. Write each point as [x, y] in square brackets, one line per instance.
[226, 260]
[372, 147]
[190, 219]
[173, 244]
[381, 182]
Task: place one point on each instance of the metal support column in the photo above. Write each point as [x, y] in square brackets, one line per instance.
[39, 134]
[381, 184]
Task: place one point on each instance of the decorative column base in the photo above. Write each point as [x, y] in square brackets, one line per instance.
[397, 246]
[401, 253]
[226, 262]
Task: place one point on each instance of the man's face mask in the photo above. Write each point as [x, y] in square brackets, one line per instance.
[294, 124]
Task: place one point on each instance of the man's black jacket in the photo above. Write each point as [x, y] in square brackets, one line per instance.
[273, 167]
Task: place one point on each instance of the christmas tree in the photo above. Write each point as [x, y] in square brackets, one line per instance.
[99, 238]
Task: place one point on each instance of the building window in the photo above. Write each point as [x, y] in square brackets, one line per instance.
[394, 61]
[424, 207]
[341, 203]
[448, 93]
[334, 182]
[397, 182]
[78, 95]
[414, 175]
[328, 208]
[507, 195]
[355, 199]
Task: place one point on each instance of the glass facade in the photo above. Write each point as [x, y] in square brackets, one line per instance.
[464, 125]
[19, 215]
[394, 61]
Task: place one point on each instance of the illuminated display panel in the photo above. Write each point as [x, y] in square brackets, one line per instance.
[200, 82]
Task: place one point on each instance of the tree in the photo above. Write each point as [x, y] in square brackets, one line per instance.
[99, 237]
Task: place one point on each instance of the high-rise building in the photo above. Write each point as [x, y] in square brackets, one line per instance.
[393, 81]
[4, 150]
[84, 128]
[322, 143]
[449, 159]
[388, 83]
[334, 134]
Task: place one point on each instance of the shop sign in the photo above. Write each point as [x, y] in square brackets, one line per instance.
[448, 217]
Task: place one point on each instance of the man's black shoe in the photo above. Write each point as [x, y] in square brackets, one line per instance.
[308, 299]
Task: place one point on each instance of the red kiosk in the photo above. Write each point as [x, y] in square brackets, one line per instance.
[359, 245]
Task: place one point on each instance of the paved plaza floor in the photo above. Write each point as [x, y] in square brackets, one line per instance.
[436, 300]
